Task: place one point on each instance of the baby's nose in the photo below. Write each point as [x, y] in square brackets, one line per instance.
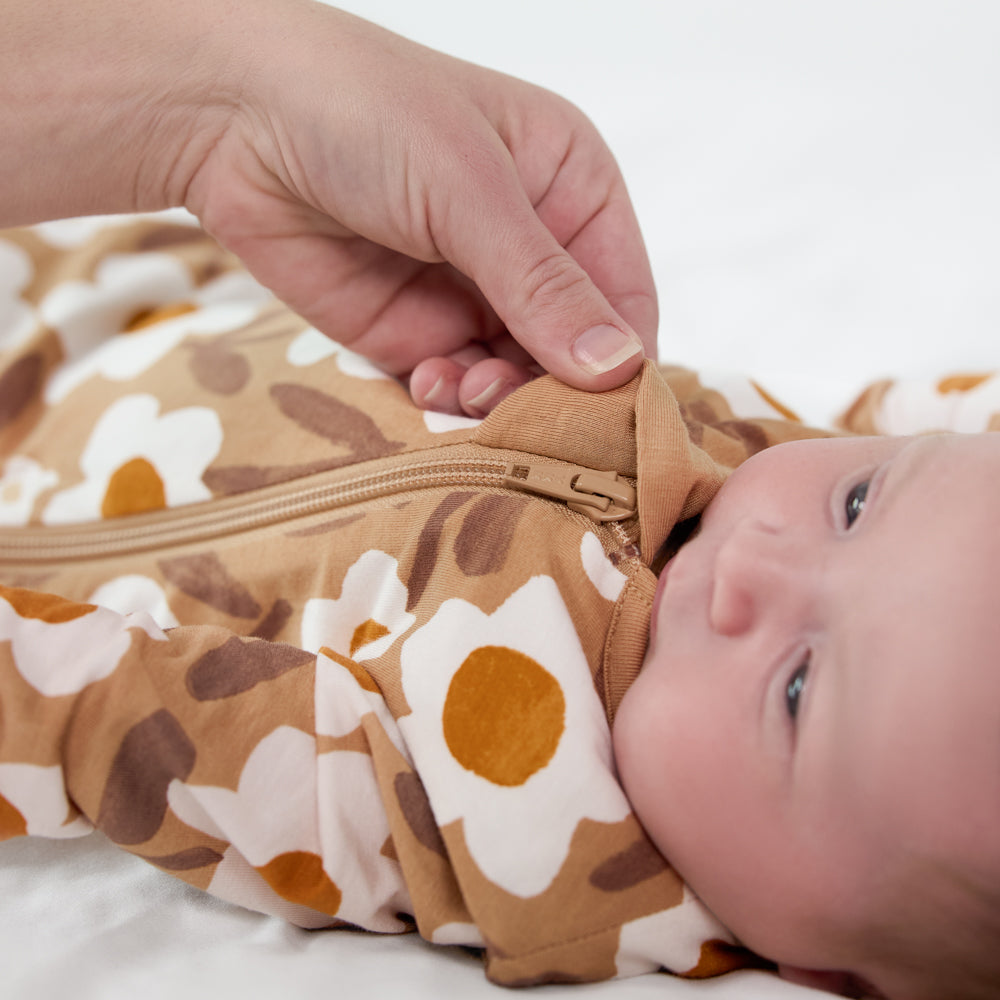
[754, 570]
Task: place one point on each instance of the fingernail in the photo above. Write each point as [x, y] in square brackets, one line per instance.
[602, 348]
[434, 392]
[485, 401]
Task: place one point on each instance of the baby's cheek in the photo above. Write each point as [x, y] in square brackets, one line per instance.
[668, 755]
[640, 741]
[623, 737]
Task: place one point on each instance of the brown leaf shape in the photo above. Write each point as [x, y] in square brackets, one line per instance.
[205, 578]
[628, 868]
[18, 386]
[334, 420]
[219, 369]
[152, 753]
[240, 664]
[487, 531]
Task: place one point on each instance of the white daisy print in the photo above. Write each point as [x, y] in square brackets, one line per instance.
[670, 938]
[237, 881]
[247, 816]
[69, 233]
[101, 323]
[17, 318]
[344, 694]
[367, 618]
[327, 814]
[442, 423]
[60, 648]
[137, 459]
[468, 935]
[39, 795]
[957, 403]
[508, 733]
[311, 346]
[22, 481]
[133, 592]
[607, 579]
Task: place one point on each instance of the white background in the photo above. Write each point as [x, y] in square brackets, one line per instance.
[818, 187]
[818, 182]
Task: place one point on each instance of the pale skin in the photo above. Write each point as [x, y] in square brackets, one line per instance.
[820, 701]
[461, 228]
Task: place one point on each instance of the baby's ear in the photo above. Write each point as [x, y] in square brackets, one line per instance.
[844, 984]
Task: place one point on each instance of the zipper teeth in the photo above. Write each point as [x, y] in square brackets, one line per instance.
[234, 515]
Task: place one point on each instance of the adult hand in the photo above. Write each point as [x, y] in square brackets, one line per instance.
[452, 224]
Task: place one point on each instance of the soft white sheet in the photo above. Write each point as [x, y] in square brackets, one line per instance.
[817, 182]
[817, 186]
[80, 919]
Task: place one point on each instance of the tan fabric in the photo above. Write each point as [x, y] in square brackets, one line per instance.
[311, 651]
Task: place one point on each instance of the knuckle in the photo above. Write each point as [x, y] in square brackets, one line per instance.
[552, 280]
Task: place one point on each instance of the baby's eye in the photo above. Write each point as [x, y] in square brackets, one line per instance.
[795, 687]
[854, 503]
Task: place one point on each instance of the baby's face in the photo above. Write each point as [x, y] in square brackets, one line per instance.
[821, 695]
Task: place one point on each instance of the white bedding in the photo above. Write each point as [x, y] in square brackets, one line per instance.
[817, 186]
[817, 182]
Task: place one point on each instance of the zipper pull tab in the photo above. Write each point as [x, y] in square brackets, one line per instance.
[602, 496]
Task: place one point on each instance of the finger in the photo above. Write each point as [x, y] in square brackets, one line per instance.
[434, 382]
[544, 297]
[393, 309]
[506, 347]
[450, 386]
[488, 383]
[468, 356]
[437, 313]
[434, 385]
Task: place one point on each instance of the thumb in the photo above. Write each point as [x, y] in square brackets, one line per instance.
[548, 302]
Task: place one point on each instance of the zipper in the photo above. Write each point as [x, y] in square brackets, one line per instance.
[601, 496]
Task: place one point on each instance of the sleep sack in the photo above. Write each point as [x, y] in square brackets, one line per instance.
[273, 629]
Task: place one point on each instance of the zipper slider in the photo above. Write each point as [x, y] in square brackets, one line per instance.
[602, 496]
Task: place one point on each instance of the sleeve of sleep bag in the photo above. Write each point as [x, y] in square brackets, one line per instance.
[242, 766]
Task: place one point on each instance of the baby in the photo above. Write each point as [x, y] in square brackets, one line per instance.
[334, 659]
[836, 618]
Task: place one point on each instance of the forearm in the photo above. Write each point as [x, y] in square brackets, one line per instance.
[363, 178]
[108, 105]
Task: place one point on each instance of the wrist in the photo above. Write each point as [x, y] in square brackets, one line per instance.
[108, 104]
